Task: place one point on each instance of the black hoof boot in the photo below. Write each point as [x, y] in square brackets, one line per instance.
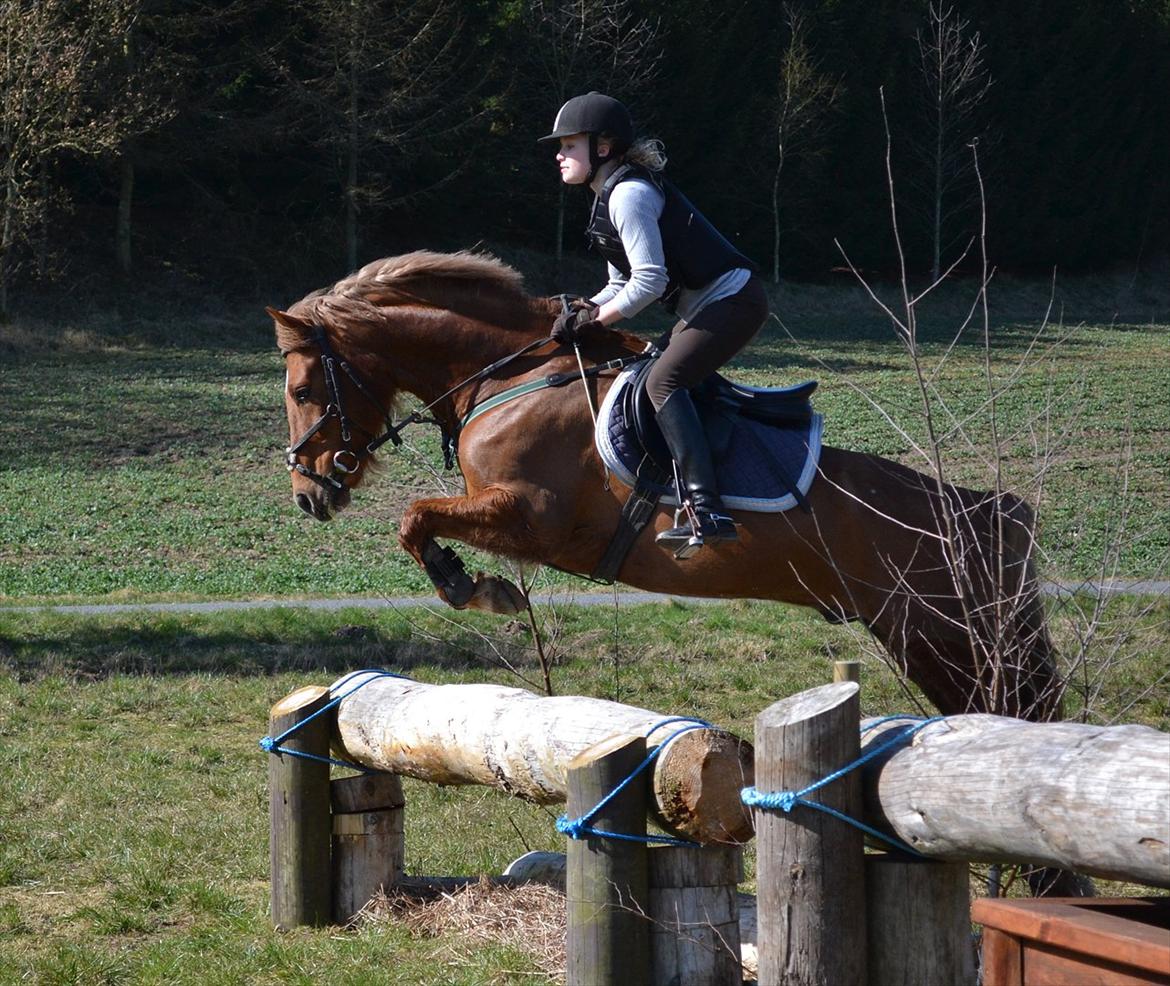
[447, 573]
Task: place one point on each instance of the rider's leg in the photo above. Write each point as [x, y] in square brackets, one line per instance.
[687, 441]
[697, 349]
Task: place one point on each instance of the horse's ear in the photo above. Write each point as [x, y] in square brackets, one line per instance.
[292, 331]
[289, 321]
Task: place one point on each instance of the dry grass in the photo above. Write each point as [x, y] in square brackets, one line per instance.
[530, 918]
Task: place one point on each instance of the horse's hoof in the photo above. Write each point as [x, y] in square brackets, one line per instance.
[496, 595]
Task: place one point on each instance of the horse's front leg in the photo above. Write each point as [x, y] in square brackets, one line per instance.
[493, 519]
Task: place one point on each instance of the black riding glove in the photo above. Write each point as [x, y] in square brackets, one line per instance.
[576, 325]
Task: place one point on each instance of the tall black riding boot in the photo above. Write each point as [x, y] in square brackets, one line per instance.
[687, 440]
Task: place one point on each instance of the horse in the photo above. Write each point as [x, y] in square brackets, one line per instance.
[942, 576]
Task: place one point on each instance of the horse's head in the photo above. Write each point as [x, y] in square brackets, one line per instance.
[334, 417]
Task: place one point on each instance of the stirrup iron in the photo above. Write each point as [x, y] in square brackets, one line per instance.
[683, 547]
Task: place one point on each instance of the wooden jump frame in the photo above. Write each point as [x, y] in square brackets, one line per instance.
[656, 914]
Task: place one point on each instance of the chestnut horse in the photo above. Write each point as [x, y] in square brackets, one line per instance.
[942, 576]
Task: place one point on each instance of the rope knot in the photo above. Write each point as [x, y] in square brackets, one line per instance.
[268, 744]
[574, 828]
[783, 801]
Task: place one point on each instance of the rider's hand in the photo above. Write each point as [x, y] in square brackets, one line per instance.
[576, 325]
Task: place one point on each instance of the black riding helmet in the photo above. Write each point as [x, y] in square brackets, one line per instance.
[593, 114]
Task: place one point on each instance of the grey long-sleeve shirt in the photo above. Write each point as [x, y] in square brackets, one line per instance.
[635, 206]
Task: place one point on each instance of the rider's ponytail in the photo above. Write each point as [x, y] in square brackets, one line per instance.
[648, 152]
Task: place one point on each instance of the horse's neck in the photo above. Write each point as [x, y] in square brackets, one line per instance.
[432, 351]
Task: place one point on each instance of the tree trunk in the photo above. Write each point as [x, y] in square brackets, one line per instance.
[560, 244]
[351, 178]
[125, 206]
[939, 163]
[776, 223]
[519, 742]
[1094, 799]
[7, 234]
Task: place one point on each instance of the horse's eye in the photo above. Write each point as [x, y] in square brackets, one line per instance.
[301, 394]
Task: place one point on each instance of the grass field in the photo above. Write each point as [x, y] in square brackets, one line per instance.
[144, 454]
[133, 840]
[144, 463]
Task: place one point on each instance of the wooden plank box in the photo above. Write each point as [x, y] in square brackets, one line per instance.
[1075, 941]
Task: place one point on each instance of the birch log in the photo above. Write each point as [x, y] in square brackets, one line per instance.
[521, 743]
[1095, 799]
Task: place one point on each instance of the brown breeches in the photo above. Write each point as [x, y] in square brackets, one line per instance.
[699, 347]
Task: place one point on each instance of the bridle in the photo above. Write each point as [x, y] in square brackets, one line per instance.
[348, 460]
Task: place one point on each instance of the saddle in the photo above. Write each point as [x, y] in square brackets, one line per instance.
[765, 443]
[719, 402]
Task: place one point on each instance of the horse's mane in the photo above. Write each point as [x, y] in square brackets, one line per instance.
[476, 285]
[414, 276]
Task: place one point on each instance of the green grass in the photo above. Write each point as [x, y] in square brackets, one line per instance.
[144, 463]
[144, 456]
[133, 827]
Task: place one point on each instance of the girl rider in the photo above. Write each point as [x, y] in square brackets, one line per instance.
[658, 247]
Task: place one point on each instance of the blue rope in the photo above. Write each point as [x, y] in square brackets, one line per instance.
[785, 801]
[271, 745]
[579, 828]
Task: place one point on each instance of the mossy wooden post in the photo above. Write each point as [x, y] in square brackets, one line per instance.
[298, 813]
[811, 894]
[694, 912]
[368, 840]
[919, 921]
[606, 879]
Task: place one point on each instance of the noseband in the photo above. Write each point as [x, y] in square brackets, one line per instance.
[348, 460]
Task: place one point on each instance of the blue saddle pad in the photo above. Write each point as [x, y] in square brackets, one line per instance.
[747, 479]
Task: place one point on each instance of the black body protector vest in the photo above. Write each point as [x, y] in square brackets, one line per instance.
[696, 252]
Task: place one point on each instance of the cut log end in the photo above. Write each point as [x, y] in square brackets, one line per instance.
[697, 783]
[298, 700]
[807, 705]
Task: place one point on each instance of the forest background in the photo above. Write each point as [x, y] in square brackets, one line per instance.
[252, 146]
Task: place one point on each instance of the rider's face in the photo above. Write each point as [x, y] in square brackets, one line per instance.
[573, 158]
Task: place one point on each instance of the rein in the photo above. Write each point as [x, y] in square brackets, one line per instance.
[347, 460]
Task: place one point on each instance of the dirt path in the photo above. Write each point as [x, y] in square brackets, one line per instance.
[1136, 587]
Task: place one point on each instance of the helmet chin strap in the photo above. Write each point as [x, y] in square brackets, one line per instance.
[595, 159]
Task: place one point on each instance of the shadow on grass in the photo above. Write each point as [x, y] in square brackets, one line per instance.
[94, 650]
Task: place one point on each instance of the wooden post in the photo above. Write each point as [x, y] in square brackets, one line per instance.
[846, 671]
[919, 921]
[298, 813]
[608, 940]
[694, 912]
[809, 870]
[368, 842]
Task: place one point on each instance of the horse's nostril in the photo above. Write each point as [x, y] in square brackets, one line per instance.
[304, 502]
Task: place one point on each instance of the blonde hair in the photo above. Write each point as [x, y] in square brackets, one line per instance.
[649, 152]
